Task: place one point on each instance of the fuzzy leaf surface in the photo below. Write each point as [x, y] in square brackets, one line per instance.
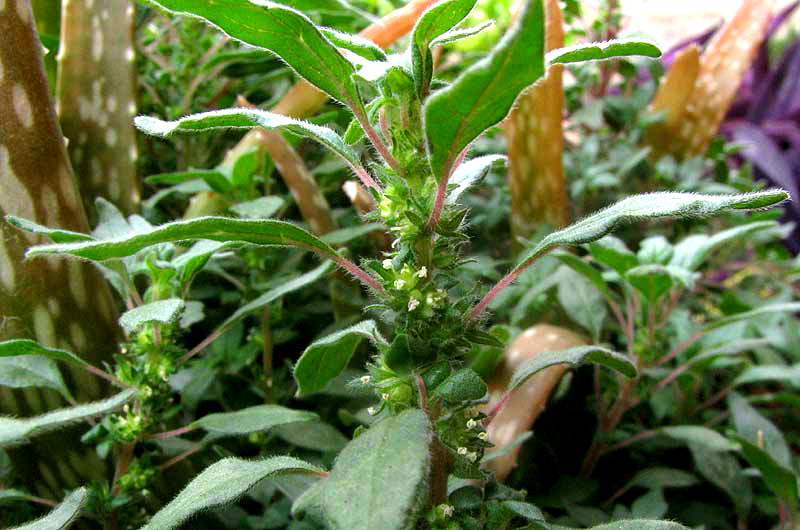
[32, 371]
[598, 51]
[283, 31]
[259, 418]
[162, 311]
[222, 483]
[645, 207]
[436, 20]
[14, 431]
[780, 479]
[62, 516]
[378, 479]
[785, 307]
[14, 347]
[574, 357]
[56, 235]
[470, 173]
[327, 357]
[248, 119]
[265, 232]
[483, 95]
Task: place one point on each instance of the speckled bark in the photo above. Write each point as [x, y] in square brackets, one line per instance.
[97, 99]
[58, 302]
[723, 66]
[536, 143]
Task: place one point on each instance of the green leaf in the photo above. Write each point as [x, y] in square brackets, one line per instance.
[694, 250]
[612, 252]
[14, 431]
[32, 371]
[222, 483]
[484, 94]
[655, 250]
[463, 385]
[261, 208]
[598, 51]
[193, 260]
[662, 477]
[359, 45]
[14, 347]
[345, 235]
[752, 426]
[786, 307]
[252, 419]
[314, 435]
[378, 480]
[56, 235]
[645, 207]
[780, 479]
[277, 292]
[255, 231]
[470, 173]
[163, 312]
[574, 357]
[699, 436]
[641, 524]
[582, 302]
[62, 516]
[455, 35]
[283, 31]
[436, 20]
[325, 358]
[773, 373]
[723, 470]
[178, 177]
[583, 268]
[654, 281]
[248, 119]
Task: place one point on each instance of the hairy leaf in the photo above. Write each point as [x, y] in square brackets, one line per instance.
[285, 32]
[248, 119]
[325, 358]
[596, 51]
[463, 385]
[62, 516]
[57, 235]
[483, 95]
[455, 35]
[15, 431]
[222, 483]
[356, 44]
[255, 231]
[575, 357]
[30, 347]
[378, 478]
[162, 311]
[470, 173]
[436, 20]
[786, 307]
[32, 371]
[252, 419]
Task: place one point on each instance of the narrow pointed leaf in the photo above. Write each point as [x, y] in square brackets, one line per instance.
[30, 347]
[279, 291]
[575, 357]
[14, 431]
[162, 312]
[57, 235]
[646, 207]
[455, 35]
[255, 231]
[786, 307]
[62, 516]
[640, 524]
[780, 479]
[700, 436]
[692, 251]
[356, 44]
[248, 119]
[598, 51]
[252, 419]
[378, 478]
[470, 173]
[484, 94]
[435, 21]
[283, 31]
[221, 483]
[327, 357]
[753, 426]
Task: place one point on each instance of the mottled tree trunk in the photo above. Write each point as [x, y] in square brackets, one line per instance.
[97, 99]
[60, 303]
[536, 144]
[688, 131]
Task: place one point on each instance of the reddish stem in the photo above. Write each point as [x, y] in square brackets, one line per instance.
[359, 273]
[202, 346]
[170, 434]
[502, 284]
[441, 192]
[103, 374]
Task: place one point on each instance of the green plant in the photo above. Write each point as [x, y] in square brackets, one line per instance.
[424, 432]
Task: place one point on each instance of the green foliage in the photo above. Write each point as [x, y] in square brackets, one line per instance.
[574, 357]
[62, 515]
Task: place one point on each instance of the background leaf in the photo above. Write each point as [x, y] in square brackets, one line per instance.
[252, 419]
[30, 347]
[598, 51]
[574, 357]
[222, 483]
[62, 516]
[32, 371]
[162, 311]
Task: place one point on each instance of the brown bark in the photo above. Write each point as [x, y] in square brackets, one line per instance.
[97, 99]
[60, 303]
[536, 144]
